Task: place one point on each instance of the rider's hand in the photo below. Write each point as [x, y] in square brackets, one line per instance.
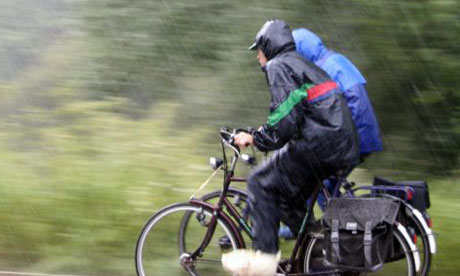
[243, 140]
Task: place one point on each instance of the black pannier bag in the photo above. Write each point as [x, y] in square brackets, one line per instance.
[358, 232]
[421, 197]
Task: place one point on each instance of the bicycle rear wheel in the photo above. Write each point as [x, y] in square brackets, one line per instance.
[159, 252]
[414, 226]
[312, 259]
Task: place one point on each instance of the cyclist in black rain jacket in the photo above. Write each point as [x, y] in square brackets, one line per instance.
[313, 135]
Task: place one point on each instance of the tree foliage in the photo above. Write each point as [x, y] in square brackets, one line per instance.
[195, 53]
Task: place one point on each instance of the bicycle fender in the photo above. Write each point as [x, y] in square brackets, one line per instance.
[222, 216]
[411, 244]
[426, 228]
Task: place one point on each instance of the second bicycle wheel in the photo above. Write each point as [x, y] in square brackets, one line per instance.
[238, 199]
[159, 251]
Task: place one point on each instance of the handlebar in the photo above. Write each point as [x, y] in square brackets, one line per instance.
[228, 137]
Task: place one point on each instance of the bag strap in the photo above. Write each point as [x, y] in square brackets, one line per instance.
[368, 245]
[335, 254]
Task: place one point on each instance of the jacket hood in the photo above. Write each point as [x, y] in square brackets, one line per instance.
[274, 38]
[308, 44]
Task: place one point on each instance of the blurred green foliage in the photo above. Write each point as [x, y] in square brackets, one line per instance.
[109, 110]
[195, 53]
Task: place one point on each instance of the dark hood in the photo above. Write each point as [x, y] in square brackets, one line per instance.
[275, 37]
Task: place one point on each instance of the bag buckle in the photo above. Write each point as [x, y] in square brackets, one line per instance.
[335, 237]
[368, 233]
[335, 231]
[367, 238]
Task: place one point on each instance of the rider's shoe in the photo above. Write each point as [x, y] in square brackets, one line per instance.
[250, 263]
[285, 233]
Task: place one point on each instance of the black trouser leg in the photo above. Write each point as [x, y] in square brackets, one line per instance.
[293, 211]
[278, 190]
[265, 216]
[272, 200]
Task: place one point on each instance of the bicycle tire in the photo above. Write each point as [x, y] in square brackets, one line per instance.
[314, 252]
[409, 220]
[154, 257]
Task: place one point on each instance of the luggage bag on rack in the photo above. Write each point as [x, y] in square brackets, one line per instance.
[358, 232]
[420, 198]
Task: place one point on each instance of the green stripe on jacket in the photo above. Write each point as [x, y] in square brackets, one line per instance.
[287, 105]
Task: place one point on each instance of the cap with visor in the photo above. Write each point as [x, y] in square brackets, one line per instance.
[259, 35]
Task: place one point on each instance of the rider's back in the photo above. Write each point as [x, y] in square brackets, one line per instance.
[324, 127]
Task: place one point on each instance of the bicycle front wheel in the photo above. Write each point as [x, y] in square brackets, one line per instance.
[159, 250]
[313, 256]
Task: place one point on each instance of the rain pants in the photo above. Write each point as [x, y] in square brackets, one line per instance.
[309, 127]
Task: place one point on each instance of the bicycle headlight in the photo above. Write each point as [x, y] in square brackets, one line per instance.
[215, 162]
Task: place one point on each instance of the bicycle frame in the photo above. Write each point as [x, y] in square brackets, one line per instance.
[238, 219]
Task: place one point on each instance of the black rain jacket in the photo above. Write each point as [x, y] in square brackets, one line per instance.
[307, 113]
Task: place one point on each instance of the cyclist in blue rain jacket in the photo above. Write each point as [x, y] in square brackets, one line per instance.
[311, 132]
[352, 83]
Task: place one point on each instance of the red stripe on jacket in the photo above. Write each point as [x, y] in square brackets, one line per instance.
[320, 89]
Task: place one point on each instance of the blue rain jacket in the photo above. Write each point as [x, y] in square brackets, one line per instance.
[350, 80]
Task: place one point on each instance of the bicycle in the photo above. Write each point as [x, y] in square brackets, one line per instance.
[417, 222]
[200, 252]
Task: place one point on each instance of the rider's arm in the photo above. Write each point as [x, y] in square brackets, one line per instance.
[285, 111]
